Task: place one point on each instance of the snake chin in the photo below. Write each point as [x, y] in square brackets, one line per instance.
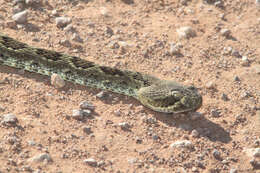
[170, 97]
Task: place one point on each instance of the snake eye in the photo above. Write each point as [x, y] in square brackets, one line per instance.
[191, 87]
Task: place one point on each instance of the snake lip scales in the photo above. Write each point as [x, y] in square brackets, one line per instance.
[156, 94]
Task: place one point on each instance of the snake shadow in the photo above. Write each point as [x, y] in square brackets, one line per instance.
[206, 128]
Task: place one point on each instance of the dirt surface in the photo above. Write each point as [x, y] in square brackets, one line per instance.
[221, 57]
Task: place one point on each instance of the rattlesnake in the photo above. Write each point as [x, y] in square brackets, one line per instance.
[156, 94]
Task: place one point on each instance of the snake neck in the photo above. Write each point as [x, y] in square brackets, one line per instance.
[71, 68]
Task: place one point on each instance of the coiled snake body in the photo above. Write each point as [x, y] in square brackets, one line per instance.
[156, 94]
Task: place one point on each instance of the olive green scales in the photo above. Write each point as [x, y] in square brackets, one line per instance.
[156, 94]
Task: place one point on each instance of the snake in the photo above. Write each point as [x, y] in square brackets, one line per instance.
[160, 95]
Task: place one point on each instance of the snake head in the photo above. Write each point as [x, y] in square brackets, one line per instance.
[170, 97]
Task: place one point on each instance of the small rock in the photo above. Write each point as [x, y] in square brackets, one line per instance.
[104, 11]
[86, 113]
[195, 133]
[65, 42]
[90, 162]
[69, 28]
[54, 12]
[255, 164]
[9, 119]
[174, 49]
[101, 95]
[236, 53]
[236, 78]
[210, 85]
[216, 154]
[57, 81]
[215, 113]
[32, 2]
[20, 17]
[118, 113]
[76, 37]
[17, 9]
[62, 21]
[124, 126]
[2, 109]
[11, 24]
[87, 105]
[225, 32]
[40, 158]
[252, 152]
[227, 50]
[233, 170]
[245, 61]
[151, 120]
[182, 144]
[109, 31]
[132, 160]
[186, 32]
[77, 114]
[31, 142]
[87, 130]
[224, 97]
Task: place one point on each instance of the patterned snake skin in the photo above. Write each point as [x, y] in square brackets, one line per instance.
[158, 95]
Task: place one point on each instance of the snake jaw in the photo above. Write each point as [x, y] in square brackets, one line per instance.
[170, 97]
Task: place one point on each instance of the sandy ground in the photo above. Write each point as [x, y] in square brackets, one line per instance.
[221, 58]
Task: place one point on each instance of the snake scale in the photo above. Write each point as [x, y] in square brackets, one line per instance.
[156, 94]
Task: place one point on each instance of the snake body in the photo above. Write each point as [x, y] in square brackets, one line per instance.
[156, 94]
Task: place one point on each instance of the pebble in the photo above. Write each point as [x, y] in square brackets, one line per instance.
[109, 31]
[69, 28]
[245, 61]
[186, 32]
[236, 53]
[65, 42]
[104, 11]
[182, 144]
[87, 130]
[215, 113]
[101, 95]
[77, 38]
[124, 126]
[252, 152]
[233, 170]
[17, 9]
[90, 162]
[78, 114]
[225, 32]
[236, 78]
[41, 157]
[87, 105]
[62, 21]
[31, 2]
[21, 17]
[57, 81]
[174, 49]
[9, 119]
[216, 154]
[210, 85]
[224, 97]
[195, 133]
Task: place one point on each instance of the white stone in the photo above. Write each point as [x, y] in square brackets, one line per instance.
[186, 32]
[57, 81]
[182, 144]
[20, 17]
